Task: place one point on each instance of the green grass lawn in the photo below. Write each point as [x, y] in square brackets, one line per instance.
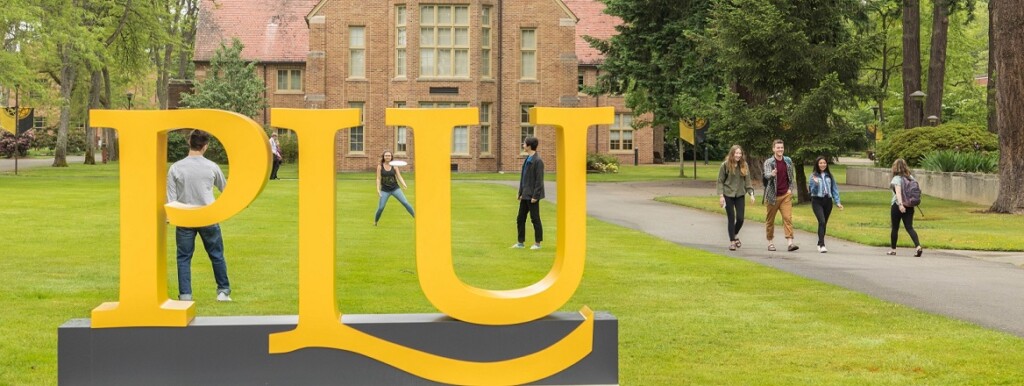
[944, 224]
[686, 316]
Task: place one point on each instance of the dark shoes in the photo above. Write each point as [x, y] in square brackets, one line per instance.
[792, 247]
[919, 252]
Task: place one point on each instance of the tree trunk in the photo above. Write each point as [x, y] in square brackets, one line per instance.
[756, 167]
[990, 96]
[1008, 24]
[802, 193]
[67, 76]
[911, 62]
[113, 149]
[90, 132]
[937, 62]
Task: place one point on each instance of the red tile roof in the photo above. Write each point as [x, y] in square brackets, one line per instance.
[272, 30]
[593, 22]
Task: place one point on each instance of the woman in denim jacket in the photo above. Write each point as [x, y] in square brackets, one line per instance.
[824, 190]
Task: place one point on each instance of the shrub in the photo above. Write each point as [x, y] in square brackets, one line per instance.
[177, 147]
[954, 161]
[913, 144]
[47, 139]
[289, 147]
[9, 144]
[602, 163]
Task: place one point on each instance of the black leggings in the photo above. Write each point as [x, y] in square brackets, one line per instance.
[822, 207]
[908, 222]
[734, 213]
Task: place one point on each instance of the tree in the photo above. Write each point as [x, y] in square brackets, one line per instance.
[231, 84]
[1009, 63]
[990, 87]
[911, 62]
[657, 61]
[792, 65]
[179, 19]
[886, 52]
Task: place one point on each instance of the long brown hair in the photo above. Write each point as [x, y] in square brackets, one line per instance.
[731, 162]
[900, 168]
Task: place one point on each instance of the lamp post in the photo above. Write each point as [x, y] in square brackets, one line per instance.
[933, 120]
[129, 95]
[918, 98]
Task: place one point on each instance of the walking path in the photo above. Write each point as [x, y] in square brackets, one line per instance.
[7, 164]
[981, 287]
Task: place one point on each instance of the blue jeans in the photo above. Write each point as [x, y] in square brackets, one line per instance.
[384, 201]
[185, 238]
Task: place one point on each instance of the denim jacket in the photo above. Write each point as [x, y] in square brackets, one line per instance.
[818, 189]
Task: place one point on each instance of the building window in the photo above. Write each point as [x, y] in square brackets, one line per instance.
[38, 122]
[355, 134]
[289, 80]
[579, 82]
[528, 50]
[485, 128]
[444, 41]
[460, 134]
[525, 128]
[485, 42]
[400, 22]
[357, 52]
[401, 134]
[621, 137]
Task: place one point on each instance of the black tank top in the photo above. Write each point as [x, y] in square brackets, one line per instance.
[388, 182]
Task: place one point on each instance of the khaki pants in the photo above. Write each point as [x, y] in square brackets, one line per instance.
[783, 204]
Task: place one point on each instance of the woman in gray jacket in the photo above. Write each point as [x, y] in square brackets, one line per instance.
[732, 184]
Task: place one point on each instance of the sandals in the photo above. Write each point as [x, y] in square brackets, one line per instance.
[739, 244]
[919, 252]
[732, 246]
[891, 253]
[771, 247]
[792, 247]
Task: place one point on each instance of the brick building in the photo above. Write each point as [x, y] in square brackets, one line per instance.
[499, 56]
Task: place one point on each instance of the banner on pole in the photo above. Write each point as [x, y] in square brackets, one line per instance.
[25, 117]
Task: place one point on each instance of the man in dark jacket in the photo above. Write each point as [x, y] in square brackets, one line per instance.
[531, 191]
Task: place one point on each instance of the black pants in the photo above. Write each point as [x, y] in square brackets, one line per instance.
[277, 164]
[734, 215]
[908, 222]
[822, 207]
[534, 210]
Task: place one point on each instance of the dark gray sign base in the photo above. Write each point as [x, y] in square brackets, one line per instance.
[234, 351]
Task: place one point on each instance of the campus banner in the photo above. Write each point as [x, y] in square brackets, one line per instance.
[25, 118]
[689, 134]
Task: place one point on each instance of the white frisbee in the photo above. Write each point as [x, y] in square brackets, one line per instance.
[398, 163]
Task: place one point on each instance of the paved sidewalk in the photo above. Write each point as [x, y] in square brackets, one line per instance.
[7, 164]
[987, 292]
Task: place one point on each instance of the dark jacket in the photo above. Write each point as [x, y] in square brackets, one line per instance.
[531, 184]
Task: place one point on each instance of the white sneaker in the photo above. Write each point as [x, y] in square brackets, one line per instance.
[518, 245]
[186, 297]
[822, 249]
[223, 297]
[535, 246]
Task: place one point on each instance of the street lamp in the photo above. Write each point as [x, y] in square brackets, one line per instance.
[933, 120]
[129, 95]
[918, 97]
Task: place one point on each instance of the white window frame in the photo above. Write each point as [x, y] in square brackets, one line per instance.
[357, 134]
[486, 37]
[433, 46]
[528, 54]
[289, 86]
[525, 128]
[484, 137]
[401, 41]
[622, 126]
[357, 52]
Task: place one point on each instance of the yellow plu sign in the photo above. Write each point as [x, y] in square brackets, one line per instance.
[143, 281]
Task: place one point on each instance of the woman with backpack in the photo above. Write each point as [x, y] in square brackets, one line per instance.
[824, 191]
[732, 184]
[902, 210]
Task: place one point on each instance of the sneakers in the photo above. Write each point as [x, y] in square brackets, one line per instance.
[535, 246]
[186, 297]
[223, 297]
[822, 249]
[518, 245]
